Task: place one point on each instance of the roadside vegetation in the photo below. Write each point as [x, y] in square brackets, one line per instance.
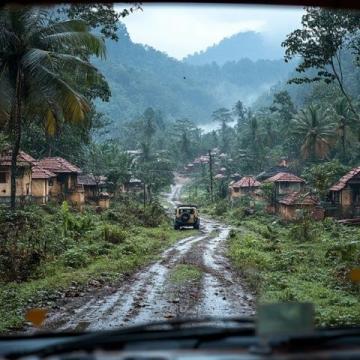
[304, 261]
[47, 250]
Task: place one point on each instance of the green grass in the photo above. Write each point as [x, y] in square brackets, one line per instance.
[79, 247]
[281, 266]
[183, 273]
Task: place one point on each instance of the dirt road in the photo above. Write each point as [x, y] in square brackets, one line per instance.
[150, 295]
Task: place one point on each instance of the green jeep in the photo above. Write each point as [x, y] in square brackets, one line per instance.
[186, 215]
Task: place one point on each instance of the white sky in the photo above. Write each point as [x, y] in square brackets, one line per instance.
[182, 29]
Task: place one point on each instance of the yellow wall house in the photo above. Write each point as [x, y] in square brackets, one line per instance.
[42, 181]
[23, 180]
[245, 186]
[64, 185]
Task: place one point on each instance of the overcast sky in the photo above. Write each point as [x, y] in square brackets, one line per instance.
[182, 29]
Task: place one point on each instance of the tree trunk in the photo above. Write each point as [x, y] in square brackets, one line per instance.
[16, 121]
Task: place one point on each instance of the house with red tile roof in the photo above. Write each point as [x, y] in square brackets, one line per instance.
[289, 205]
[245, 186]
[23, 179]
[93, 185]
[285, 183]
[345, 194]
[65, 183]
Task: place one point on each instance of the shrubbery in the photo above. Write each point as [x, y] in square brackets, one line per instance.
[34, 235]
[304, 261]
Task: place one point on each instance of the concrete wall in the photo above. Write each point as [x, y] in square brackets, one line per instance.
[23, 183]
[346, 197]
[76, 198]
[283, 188]
[40, 190]
[288, 213]
[242, 191]
[55, 188]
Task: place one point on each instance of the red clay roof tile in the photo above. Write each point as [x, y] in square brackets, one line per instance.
[246, 181]
[284, 177]
[343, 181]
[299, 198]
[23, 159]
[58, 165]
[39, 172]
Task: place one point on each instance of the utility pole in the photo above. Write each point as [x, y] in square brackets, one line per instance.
[144, 195]
[211, 176]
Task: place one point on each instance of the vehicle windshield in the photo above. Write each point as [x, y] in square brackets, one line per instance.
[112, 116]
[188, 211]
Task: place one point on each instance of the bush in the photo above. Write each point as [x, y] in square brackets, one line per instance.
[113, 234]
[221, 207]
[305, 229]
[75, 258]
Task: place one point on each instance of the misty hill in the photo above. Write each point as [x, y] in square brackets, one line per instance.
[250, 44]
[140, 76]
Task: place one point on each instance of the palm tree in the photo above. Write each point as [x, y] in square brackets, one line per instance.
[35, 57]
[344, 118]
[313, 127]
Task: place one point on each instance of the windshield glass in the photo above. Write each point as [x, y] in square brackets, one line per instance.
[113, 115]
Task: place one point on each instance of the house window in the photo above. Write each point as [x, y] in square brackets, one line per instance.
[236, 190]
[3, 178]
[51, 182]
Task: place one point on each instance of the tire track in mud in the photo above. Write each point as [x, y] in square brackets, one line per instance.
[148, 295]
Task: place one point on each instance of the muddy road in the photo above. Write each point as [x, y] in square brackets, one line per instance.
[151, 295]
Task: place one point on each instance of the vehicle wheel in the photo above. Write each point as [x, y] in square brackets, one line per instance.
[197, 225]
[185, 217]
[176, 227]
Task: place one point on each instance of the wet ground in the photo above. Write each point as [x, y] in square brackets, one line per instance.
[150, 295]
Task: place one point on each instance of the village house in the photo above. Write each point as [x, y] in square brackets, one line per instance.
[42, 181]
[64, 185]
[290, 204]
[23, 179]
[245, 186]
[132, 185]
[285, 183]
[93, 185]
[345, 194]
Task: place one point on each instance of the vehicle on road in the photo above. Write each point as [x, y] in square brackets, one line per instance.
[186, 215]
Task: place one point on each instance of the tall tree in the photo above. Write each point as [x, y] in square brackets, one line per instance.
[344, 120]
[313, 128]
[223, 116]
[34, 56]
[184, 133]
[320, 43]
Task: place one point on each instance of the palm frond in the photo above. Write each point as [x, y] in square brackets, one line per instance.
[66, 42]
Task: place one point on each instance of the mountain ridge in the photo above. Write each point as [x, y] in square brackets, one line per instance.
[140, 76]
[236, 47]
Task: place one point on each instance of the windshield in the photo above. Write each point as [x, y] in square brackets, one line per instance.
[114, 115]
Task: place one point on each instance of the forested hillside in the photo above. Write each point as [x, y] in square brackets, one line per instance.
[237, 47]
[141, 77]
[316, 91]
